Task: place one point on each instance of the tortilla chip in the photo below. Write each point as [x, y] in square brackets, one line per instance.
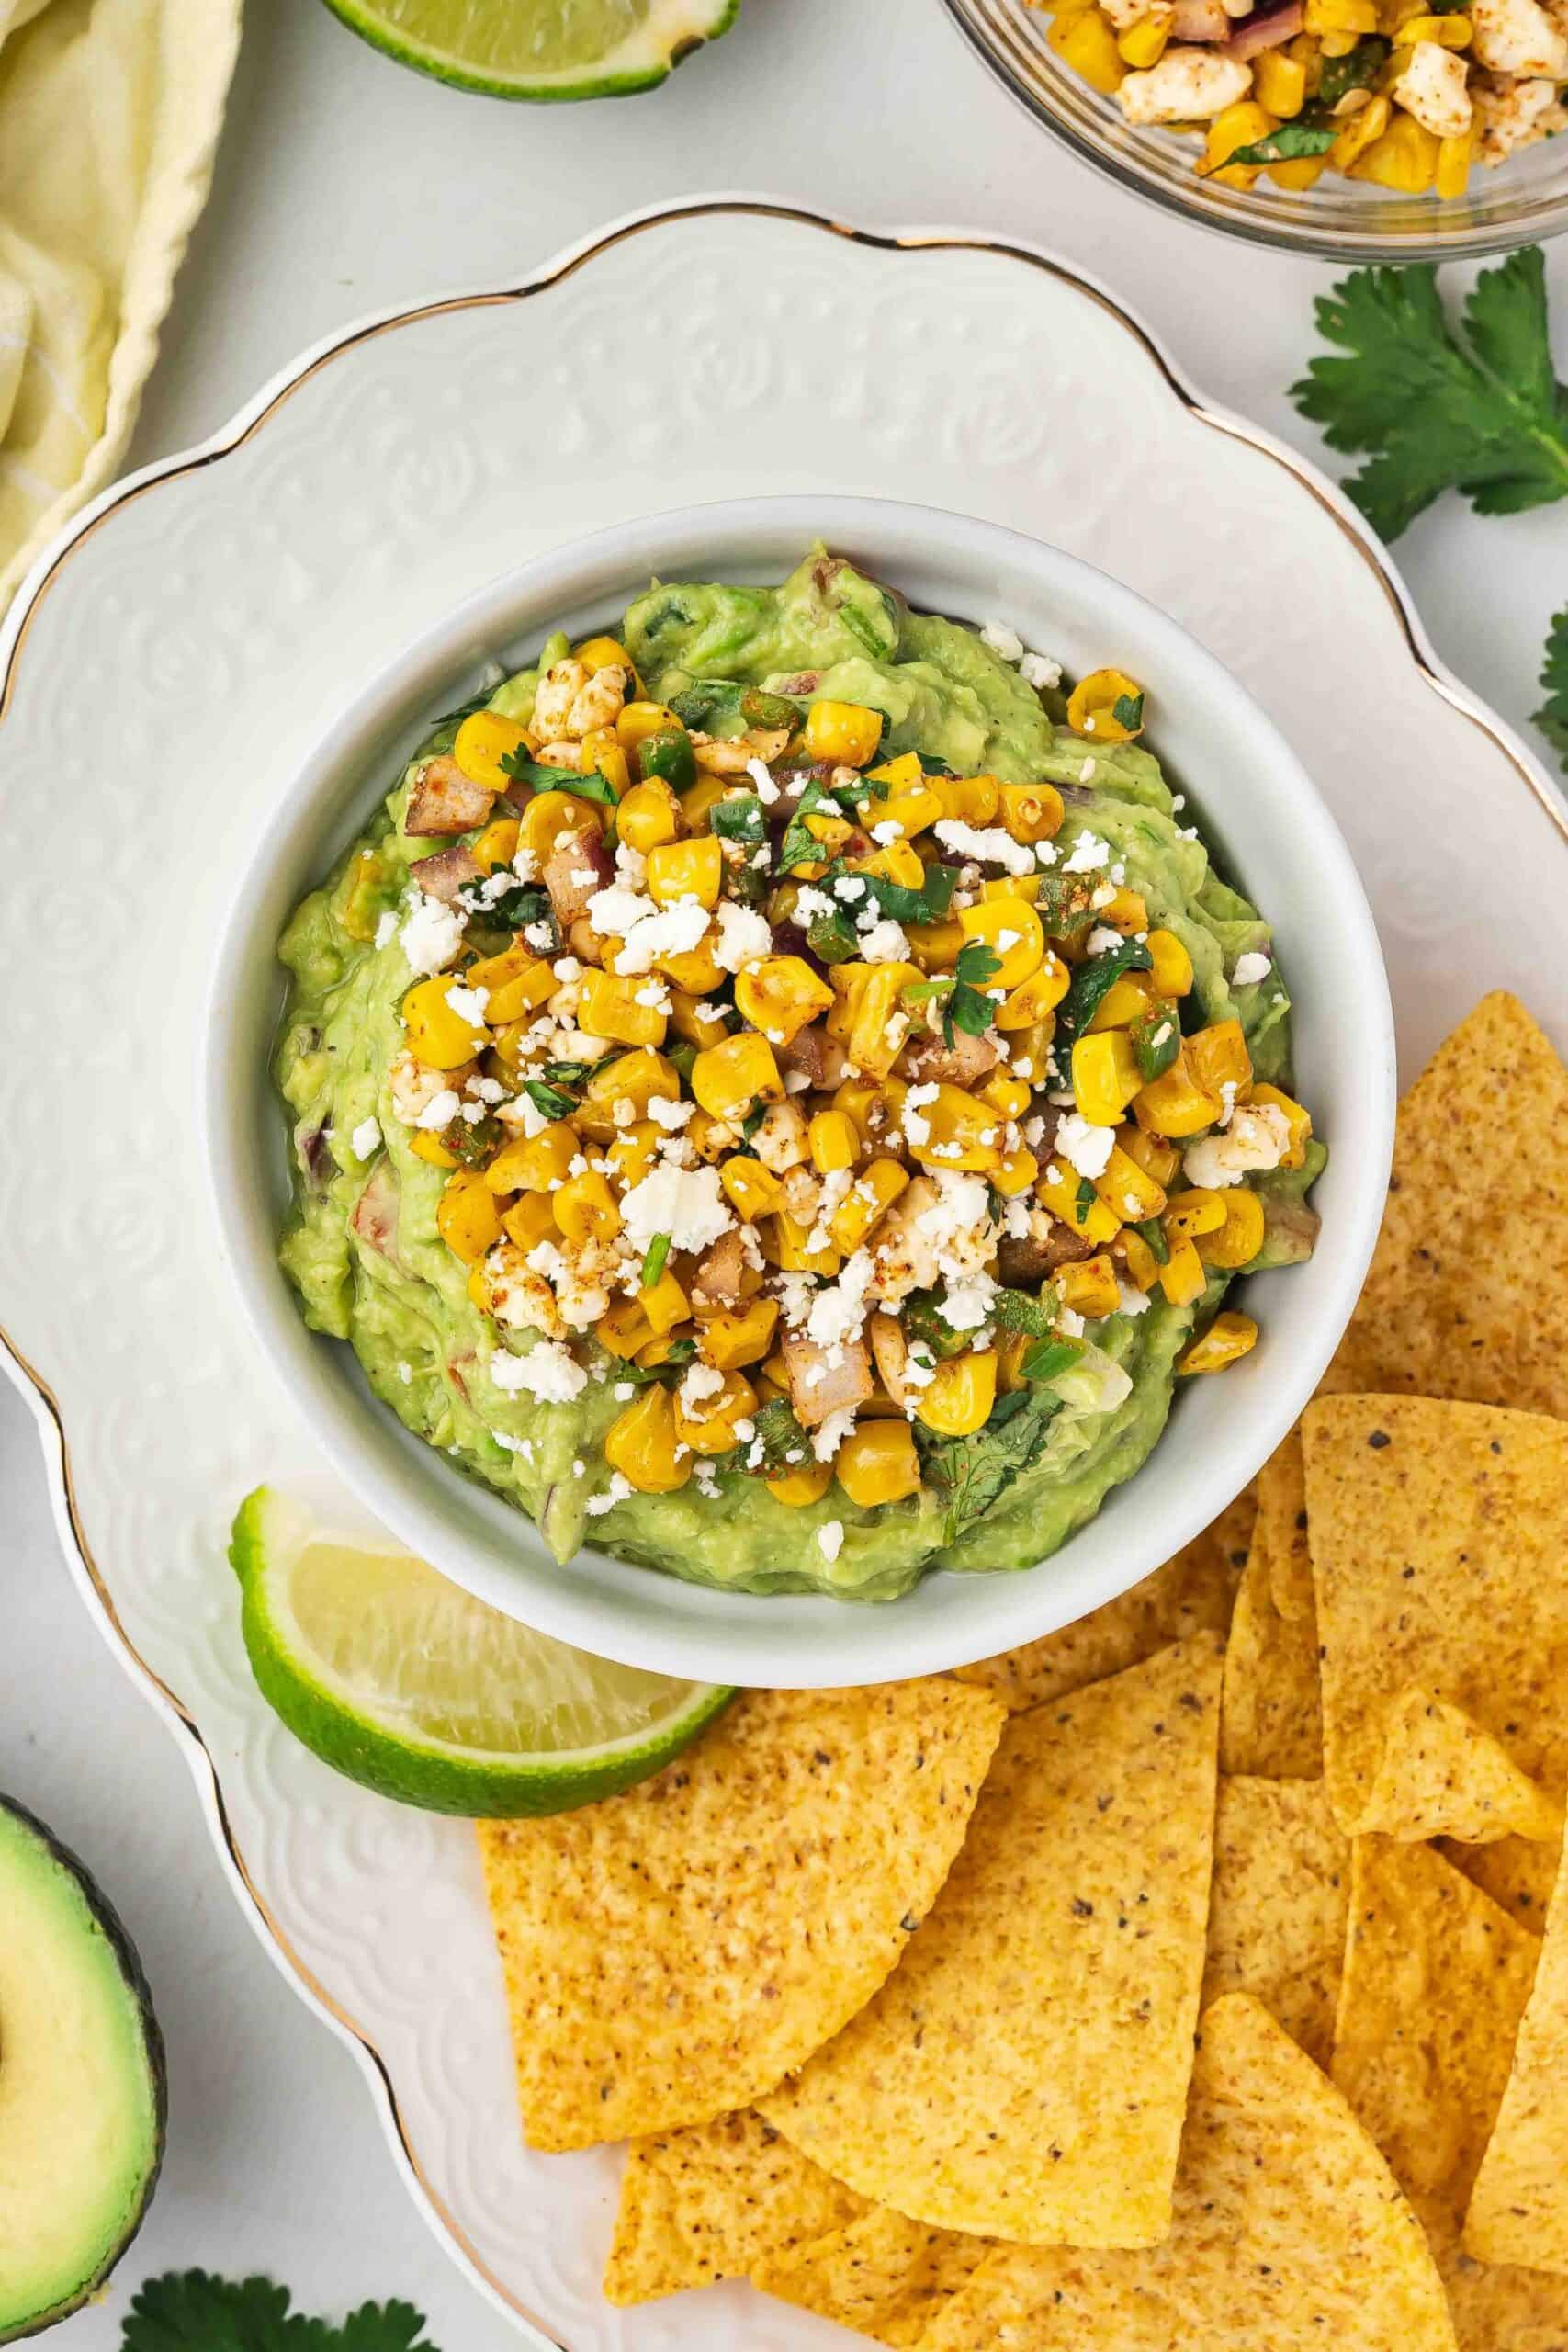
[1272, 1720]
[1277, 1913]
[672, 1953]
[710, 2202]
[882, 2273]
[1288, 2235]
[1519, 2210]
[1282, 1525]
[1437, 1535]
[1192, 1593]
[1023, 2072]
[1467, 1290]
[1435, 1978]
[1438, 1763]
[1503, 2310]
[1515, 1874]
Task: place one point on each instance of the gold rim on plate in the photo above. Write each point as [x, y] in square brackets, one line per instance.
[26, 1374]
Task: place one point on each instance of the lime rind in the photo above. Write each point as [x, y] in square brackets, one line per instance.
[669, 34]
[382, 1750]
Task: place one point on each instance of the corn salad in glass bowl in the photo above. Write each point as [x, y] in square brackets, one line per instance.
[1385, 91]
[779, 1092]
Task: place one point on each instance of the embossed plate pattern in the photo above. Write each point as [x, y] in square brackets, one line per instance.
[220, 607]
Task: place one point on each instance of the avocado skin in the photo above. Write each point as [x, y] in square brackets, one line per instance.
[127, 1959]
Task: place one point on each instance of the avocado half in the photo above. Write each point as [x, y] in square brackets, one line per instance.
[81, 2082]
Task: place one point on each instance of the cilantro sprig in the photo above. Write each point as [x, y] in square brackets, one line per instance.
[961, 992]
[1552, 717]
[1475, 407]
[191, 2311]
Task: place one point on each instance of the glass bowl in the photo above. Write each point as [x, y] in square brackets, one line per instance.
[1339, 220]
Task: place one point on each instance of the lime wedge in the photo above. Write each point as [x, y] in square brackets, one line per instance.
[540, 49]
[403, 1682]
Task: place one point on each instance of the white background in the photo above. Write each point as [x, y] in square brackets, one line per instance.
[343, 184]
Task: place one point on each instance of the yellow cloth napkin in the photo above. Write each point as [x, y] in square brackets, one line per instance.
[109, 114]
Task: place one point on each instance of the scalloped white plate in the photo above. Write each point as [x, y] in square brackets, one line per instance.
[166, 666]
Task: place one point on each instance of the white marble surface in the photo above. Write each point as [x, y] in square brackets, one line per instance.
[344, 185]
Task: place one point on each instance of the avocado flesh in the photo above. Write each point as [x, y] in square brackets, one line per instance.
[81, 2082]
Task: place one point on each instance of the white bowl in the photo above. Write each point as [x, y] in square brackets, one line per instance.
[1256, 807]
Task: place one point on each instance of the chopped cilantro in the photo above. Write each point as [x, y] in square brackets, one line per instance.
[897, 899]
[655, 1259]
[520, 904]
[1091, 984]
[1153, 1233]
[1433, 407]
[680, 1059]
[570, 1073]
[589, 786]
[1086, 1195]
[967, 1008]
[677, 1356]
[959, 992]
[754, 1120]
[1552, 717]
[1282, 145]
[1127, 710]
[740, 818]
[552, 1101]
[974, 1472]
[189, 2311]
[800, 846]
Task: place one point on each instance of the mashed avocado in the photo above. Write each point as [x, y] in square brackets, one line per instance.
[381, 1139]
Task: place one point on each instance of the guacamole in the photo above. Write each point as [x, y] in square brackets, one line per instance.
[780, 1092]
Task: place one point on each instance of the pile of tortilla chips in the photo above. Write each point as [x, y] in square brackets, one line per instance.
[1196, 1976]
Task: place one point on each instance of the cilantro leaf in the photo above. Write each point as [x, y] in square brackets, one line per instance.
[591, 786]
[800, 846]
[553, 1102]
[1127, 710]
[1090, 985]
[677, 1356]
[976, 1471]
[191, 2311]
[1280, 145]
[520, 903]
[1434, 407]
[967, 1008]
[740, 818]
[1552, 717]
